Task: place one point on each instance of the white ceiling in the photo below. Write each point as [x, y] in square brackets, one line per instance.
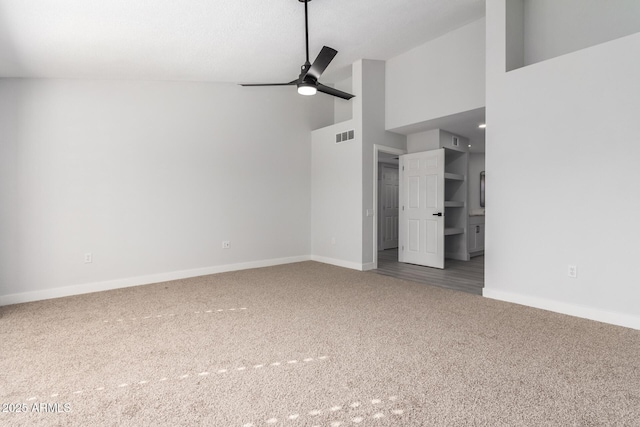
[211, 40]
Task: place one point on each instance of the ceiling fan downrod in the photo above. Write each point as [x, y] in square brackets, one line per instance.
[307, 82]
[306, 31]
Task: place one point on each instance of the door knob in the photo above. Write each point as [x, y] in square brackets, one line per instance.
[437, 214]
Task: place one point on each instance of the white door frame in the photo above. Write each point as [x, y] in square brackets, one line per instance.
[378, 149]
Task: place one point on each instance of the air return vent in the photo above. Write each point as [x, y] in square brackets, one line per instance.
[344, 136]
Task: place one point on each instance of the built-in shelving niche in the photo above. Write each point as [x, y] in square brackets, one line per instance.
[455, 196]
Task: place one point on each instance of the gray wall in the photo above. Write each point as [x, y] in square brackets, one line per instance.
[343, 174]
[562, 177]
[336, 196]
[441, 77]
[150, 177]
[374, 133]
[553, 28]
[343, 108]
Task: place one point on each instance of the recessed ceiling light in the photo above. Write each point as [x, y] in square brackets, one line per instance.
[469, 145]
[482, 126]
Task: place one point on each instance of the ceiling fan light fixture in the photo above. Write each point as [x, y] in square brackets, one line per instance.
[307, 89]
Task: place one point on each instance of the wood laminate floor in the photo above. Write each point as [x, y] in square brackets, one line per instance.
[465, 276]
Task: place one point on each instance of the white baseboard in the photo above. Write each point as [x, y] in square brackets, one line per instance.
[339, 262]
[369, 266]
[141, 280]
[618, 319]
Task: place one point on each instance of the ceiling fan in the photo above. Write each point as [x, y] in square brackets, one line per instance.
[307, 81]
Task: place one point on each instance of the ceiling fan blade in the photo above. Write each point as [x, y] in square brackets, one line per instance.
[335, 92]
[321, 63]
[269, 84]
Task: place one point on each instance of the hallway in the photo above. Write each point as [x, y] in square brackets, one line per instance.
[465, 276]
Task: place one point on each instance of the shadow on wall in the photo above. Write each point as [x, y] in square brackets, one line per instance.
[10, 106]
[14, 205]
[10, 61]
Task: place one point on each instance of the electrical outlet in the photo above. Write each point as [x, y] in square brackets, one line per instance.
[573, 271]
[88, 258]
[333, 240]
[225, 244]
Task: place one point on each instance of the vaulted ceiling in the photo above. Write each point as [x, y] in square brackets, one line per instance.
[211, 40]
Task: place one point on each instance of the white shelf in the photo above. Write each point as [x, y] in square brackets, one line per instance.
[452, 231]
[453, 176]
[452, 204]
[456, 168]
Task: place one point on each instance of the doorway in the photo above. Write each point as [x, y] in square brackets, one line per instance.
[384, 156]
[465, 276]
[388, 202]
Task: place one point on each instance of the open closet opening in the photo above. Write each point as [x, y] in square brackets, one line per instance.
[462, 213]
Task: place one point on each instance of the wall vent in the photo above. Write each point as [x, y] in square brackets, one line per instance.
[455, 141]
[344, 136]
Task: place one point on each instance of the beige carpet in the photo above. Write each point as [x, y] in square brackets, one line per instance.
[309, 344]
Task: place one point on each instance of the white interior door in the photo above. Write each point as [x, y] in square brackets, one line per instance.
[389, 196]
[421, 239]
